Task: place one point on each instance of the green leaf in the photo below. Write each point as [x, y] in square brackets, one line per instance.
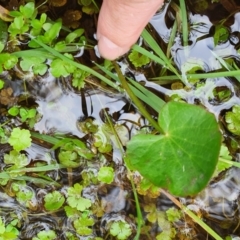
[16, 159]
[182, 159]
[1, 84]
[106, 175]
[73, 35]
[53, 201]
[233, 120]
[61, 68]
[53, 32]
[8, 61]
[70, 212]
[120, 229]
[167, 235]
[78, 78]
[27, 113]
[222, 165]
[82, 225]
[8, 232]
[173, 215]
[46, 235]
[138, 59]
[85, 2]
[35, 64]
[13, 111]
[69, 159]
[27, 10]
[2, 226]
[75, 200]
[221, 34]
[152, 212]
[20, 139]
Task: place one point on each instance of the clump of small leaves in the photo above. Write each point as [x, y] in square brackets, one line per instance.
[138, 59]
[120, 229]
[78, 78]
[16, 160]
[173, 215]
[9, 231]
[102, 139]
[72, 152]
[25, 195]
[106, 175]
[26, 115]
[222, 94]
[53, 201]
[89, 6]
[83, 224]
[145, 187]
[75, 199]
[46, 235]
[7, 61]
[221, 34]
[233, 120]
[21, 22]
[20, 139]
[164, 220]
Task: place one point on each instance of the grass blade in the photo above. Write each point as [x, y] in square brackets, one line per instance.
[184, 18]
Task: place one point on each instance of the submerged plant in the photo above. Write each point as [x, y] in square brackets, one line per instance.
[46, 235]
[120, 229]
[8, 231]
[53, 201]
[233, 120]
[75, 200]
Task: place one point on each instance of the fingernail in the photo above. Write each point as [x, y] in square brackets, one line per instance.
[110, 50]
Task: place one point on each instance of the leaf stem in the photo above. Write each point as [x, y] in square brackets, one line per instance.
[235, 164]
[184, 22]
[139, 213]
[136, 101]
[192, 215]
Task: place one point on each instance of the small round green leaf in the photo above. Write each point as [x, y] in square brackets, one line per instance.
[53, 201]
[184, 158]
[20, 139]
[106, 174]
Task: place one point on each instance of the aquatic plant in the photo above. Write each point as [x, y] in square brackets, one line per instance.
[169, 153]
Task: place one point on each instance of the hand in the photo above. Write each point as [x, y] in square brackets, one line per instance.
[120, 24]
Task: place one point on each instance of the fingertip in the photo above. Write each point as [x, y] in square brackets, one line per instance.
[108, 49]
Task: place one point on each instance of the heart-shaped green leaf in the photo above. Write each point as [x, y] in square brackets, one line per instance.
[183, 159]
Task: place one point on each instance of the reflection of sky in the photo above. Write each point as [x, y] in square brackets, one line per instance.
[63, 113]
[198, 49]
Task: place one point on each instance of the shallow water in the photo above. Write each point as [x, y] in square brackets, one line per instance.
[62, 109]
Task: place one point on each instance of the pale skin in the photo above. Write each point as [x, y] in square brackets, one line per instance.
[120, 24]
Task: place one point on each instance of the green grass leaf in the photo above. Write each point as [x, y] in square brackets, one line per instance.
[184, 158]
